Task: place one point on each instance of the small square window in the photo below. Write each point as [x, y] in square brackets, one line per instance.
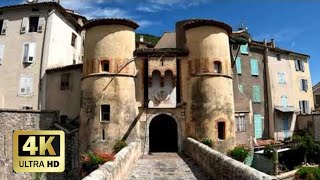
[221, 130]
[105, 66]
[105, 113]
[65, 81]
[278, 57]
[33, 24]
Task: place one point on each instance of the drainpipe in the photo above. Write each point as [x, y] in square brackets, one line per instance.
[41, 61]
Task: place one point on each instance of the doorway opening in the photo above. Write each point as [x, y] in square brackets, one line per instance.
[163, 134]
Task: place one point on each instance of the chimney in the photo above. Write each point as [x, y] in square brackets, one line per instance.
[273, 44]
[264, 42]
[141, 39]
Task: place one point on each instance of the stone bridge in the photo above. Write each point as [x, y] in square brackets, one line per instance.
[198, 162]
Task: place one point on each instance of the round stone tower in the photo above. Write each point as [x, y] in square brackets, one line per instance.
[108, 103]
[208, 72]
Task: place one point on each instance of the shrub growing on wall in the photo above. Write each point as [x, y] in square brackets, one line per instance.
[119, 145]
[239, 153]
[310, 173]
[207, 142]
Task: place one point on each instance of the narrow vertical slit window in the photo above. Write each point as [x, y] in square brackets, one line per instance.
[103, 135]
[221, 130]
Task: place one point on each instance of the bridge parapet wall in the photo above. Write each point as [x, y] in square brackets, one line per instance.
[120, 167]
[220, 166]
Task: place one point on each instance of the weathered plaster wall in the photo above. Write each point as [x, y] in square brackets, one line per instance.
[296, 76]
[11, 120]
[277, 90]
[220, 166]
[67, 102]
[209, 95]
[120, 167]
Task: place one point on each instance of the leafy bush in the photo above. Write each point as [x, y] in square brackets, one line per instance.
[118, 146]
[207, 142]
[239, 153]
[92, 160]
[309, 173]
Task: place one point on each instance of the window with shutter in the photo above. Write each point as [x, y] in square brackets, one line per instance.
[254, 67]
[25, 52]
[29, 52]
[257, 126]
[238, 65]
[281, 78]
[241, 88]
[244, 49]
[3, 27]
[41, 24]
[24, 25]
[256, 94]
[26, 83]
[284, 101]
[1, 53]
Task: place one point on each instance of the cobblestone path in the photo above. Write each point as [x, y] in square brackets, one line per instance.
[166, 166]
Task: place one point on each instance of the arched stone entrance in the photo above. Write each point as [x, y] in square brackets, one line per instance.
[163, 134]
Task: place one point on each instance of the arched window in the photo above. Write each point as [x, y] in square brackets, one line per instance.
[217, 67]
[105, 65]
[168, 78]
[156, 78]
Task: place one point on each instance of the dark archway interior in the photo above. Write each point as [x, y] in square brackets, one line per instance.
[163, 135]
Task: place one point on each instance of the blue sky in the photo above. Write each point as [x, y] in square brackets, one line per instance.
[293, 24]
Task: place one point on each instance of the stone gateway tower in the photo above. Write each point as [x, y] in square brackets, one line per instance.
[108, 104]
[207, 79]
[181, 88]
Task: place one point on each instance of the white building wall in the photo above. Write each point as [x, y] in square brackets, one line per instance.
[60, 50]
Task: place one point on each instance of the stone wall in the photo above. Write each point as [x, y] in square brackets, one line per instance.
[11, 120]
[310, 124]
[120, 167]
[219, 166]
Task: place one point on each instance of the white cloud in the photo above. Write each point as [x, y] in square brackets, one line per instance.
[162, 5]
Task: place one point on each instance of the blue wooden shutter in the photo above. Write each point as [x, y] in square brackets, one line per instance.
[238, 65]
[244, 49]
[286, 127]
[257, 126]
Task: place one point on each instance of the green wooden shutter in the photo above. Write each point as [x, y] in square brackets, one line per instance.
[244, 49]
[257, 126]
[254, 67]
[256, 94]
[241, 88]
[238, 65]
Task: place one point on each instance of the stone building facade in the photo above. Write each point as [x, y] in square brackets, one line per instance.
[316, 94]
[35, 37]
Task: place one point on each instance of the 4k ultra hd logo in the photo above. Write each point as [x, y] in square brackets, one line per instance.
[38, 151]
